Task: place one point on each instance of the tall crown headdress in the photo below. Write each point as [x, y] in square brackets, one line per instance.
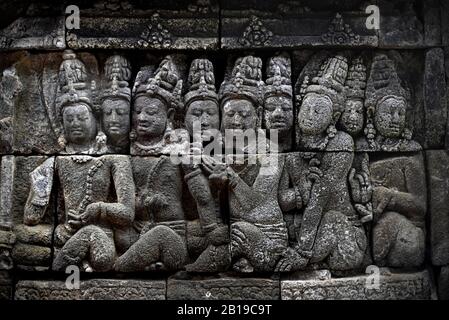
[383, 82]
[278, 82]
[201, 82]
[164, 84]
[356, 81]
[245, 81]
[117, 71]
[73, 87]
[330, 82]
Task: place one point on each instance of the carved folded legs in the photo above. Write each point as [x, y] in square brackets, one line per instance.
[90, 247]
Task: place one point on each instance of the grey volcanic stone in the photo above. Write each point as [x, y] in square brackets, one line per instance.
[224, 288]
[437, 171]
[6, 285]
[401, 286]
[95, 289]
[435, 99]
[34, 33]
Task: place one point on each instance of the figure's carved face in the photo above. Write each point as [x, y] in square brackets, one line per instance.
[150, 117]
[79, 124]
[116, 117]
[390, 117]
[352, 117]
[205, 113]
[315, 114]
[278, 113]
[239, 114]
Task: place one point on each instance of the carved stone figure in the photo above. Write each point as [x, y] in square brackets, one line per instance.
[10, 87]
[258, 231]
[352, 121]
[387, 104]
[156, 99]
[93, 222]
[208, 235]
[116, 104]
[160, 219]
[399, 193]
[330, 231]
[278, 101]
[75, 108]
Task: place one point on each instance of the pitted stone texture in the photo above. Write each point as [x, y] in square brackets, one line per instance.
[159, 25]
[401, 286]
[34, 33]
[285, 25]
[437, 170]
[225, 288]
[95, 289]
[6, 285]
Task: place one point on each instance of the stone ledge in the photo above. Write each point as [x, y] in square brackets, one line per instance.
[223, 289]
[403, 286]
[95, 289]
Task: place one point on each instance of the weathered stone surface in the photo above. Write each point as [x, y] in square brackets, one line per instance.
[6, 285]
[437, 171]
[435, 101]
[443, 283]
[95, 289]
[401, 286]
[34, 33]
[99, 148]
[400, 26]
[294, 27]
[432, 23]
[141, 27]
[224, 288]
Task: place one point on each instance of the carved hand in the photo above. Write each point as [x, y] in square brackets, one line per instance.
[194, 152]
[92, 213]
[156, 202]
[361, 187]
[315, 172]
[216, 170]
[381, 199]
[365, 212]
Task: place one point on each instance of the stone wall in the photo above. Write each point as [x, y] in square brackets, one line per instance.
[128, 150]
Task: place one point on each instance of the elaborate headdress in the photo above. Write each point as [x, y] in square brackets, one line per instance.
[383, 83]
[201, 82]
[117, 71]
[356, 82]
[279, 74]
[73, 86]
[165, 84]
[245, 82]
[74, 89]
[330, 82]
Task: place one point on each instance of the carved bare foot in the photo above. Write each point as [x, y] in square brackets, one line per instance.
[291, 260]
[213, 259]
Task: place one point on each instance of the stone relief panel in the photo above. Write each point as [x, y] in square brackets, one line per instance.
[341, 183]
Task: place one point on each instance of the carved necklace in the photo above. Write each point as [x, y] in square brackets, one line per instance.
[80, 159]
[88, 187]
